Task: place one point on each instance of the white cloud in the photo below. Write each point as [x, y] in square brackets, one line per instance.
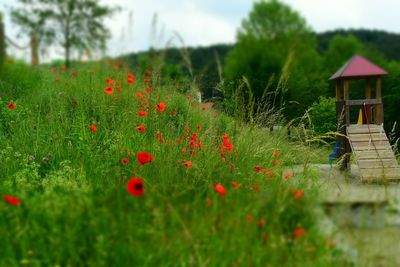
[195, 21]
[205, 22]
[329, 15]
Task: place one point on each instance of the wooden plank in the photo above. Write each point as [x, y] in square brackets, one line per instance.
[377, 163]
[365, 126]
[360, 102]
[364, 129]
[380, 172]
[374, 154]
[370, 146]
[373, 179]
[372, 143]
[367, 137]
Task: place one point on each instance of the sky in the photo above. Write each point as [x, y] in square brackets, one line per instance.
[206, 22]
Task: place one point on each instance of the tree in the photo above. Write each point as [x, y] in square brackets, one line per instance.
[2, 42]
[72, 24]
[275, 41]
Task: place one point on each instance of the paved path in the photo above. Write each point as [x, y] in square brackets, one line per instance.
[364, 219]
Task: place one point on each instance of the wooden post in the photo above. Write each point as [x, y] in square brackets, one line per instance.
[2, 42]
[378, 116]
[338, 94]
[34, 49]
[345, 98]
[343, 120]
[368, 96]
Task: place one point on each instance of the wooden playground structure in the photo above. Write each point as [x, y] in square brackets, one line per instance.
[366, 139]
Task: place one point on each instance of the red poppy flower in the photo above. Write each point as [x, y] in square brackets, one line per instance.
[198, 128]
[228, 145]
[146, 80]
[276, 154]
[139, 95]
[225, 137]
[188, 164]
[130, 76]
[12, 200]
[235, 184]
[110, 81]
[257, 168]
[299, 232]
[191, 152]
[124, 161]
[276, 162]
[74, 73]
[256, 187]
[142, 113]
[62, 67]
[93, 128]
[131, 81]
[109, 90]
[141, 128]
[148, 89]
[135, 186]
[58, 79]
[288, 175]
[261, 223]
[249, 219]
[298, 194]
[11, 106]
[160, 107]
[220, 190]
[148, 72]
[192, 143]
[144, 157]
[266, 171]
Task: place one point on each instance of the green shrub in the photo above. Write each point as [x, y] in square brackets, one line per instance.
[323, 115]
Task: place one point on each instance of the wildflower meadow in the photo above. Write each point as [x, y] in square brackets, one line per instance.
[102, 165]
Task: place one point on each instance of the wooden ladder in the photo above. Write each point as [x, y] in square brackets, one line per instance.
[373, 153]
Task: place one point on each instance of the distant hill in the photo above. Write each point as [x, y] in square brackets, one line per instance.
[386, 43]
[203, 59]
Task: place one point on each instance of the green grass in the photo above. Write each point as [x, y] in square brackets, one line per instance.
[75, 209]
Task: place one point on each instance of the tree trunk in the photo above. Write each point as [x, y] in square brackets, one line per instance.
[2, 43]
[67, 51]
[67, 45]
[34, 49]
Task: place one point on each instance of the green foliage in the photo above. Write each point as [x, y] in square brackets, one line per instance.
[387, 43]
[203, 60]
[341, 49]
[323, 115]
[12, 86]
[275, 43]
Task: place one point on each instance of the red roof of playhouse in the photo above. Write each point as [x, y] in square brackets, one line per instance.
[357, 66]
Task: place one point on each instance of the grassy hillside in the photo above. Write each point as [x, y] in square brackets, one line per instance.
[77, 189]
